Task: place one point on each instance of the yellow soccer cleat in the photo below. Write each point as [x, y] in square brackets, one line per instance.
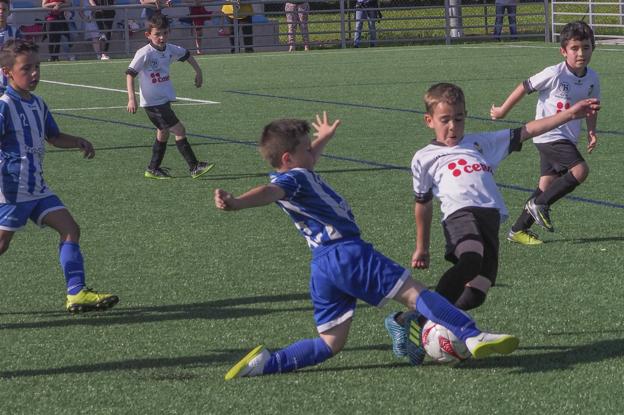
[486, 344]
[90, 300]
[250, 365]
[524, 237]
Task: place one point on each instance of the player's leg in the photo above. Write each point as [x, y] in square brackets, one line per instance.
[5, 240]
[359, 22]
[196, 168]
[372, 29]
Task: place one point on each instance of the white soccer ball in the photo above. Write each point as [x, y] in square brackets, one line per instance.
[442, 345]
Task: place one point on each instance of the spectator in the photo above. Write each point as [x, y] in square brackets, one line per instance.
[297, 14]
[198, 14]
[369, 10]
[104, 18]
[153, 6]
[91, 30]
[501, 7]
[56, 26]
[242, 13]
[71, 34]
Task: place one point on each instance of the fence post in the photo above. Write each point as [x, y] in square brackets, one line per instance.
[343, 37]
[590, 9]
[547, 22]
[485, 18]
[455, 14]
[447, 30]
[235, 9]
[126, 32]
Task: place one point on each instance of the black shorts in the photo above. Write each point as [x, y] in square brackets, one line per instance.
[558, 157]
[476, 224]
[162, 116]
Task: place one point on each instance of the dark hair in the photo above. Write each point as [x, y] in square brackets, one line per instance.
[443, 92]
[14, 47]
[157, 21]
[7, 2]
[578, 30]
[282, 136]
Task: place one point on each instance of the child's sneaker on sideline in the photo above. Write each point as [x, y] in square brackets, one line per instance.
[524, 237]
[90, 300]
[157, 173]
[397, 333]
[541, 214]
[202, 168]
[413, 341]
[250, 365]
[486, 344]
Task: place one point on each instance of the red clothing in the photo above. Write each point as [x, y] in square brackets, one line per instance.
[199, 15]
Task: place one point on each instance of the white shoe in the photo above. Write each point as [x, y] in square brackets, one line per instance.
[250, 365]
[486, 344]
[104, 57]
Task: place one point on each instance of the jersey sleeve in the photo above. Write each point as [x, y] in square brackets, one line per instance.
[497, 145]
[422, 181]
[288, 182]
[540, 81]
[179, 53]
[137, 64]
[51, 127]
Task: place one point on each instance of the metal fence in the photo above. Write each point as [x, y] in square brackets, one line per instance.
[605, 17]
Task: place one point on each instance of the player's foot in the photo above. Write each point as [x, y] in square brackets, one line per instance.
[524, 237]
[413, 340]
[104, 57]
[201, 169]
[541, 214]
[90, 300]
[250, 365]
[486, 344]
[157, 173]
[398, 334]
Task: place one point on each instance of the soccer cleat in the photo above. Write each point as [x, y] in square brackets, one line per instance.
[90, 300]
[524, 237]
[250, 365]
[398, 334]
[413, 340]
[201, 169]
[157, 173]
[541, 214]
[486, 344]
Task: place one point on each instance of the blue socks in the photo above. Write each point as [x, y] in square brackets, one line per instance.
[437, 309]
[73, 266]
[303, 353]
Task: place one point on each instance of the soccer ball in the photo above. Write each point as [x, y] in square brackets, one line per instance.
[442, 345]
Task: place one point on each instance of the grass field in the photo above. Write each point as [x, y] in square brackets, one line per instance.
[200, 287]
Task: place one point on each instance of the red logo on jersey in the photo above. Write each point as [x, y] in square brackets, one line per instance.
[156, 78]
[561, 106]
[463, 166]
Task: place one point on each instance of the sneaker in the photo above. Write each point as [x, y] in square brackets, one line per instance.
[201, 169]
[157, 173]
[486, 344]
[250, 365]
[398, 334]
[541, 214]
[90, 300]
[104, 57]
[524, 237]
[413, 340]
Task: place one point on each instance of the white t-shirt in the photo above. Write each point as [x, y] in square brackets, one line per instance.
[463, 175]
[152, 67]
[559, 88]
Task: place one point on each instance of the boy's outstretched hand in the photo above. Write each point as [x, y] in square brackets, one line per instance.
[324, 130]
[86, 147]
[223, 200]
[585, 108]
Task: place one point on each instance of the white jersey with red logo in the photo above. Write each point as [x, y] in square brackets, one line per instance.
[559, 89]
[463, 175]
[152, 67]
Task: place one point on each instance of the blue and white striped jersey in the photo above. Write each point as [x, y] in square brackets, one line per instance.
[24, 125]
[9, 32]
[320, 214]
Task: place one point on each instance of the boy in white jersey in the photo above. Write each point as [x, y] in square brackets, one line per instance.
[151, 64]
[562, 165]
[343, 267]
[25, 125]
[459, 170]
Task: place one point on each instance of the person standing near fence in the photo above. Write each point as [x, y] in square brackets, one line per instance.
[510, 7]
[56, 25]
[366, 10]
[297, 14]
[104, 18]
[243, 14]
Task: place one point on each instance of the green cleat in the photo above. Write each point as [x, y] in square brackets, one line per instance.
[250, 365]
[158, 173]
[90, 300]
[524, 237]
[541, 214]
[201, 169]
[486, 344]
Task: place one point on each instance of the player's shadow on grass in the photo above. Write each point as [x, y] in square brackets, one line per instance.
[588, 240]
[236, 176]
[225, 309]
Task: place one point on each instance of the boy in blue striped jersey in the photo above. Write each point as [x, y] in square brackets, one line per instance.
[25, 125]
[344, 268]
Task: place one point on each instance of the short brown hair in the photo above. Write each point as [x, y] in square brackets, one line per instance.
[578, 30]
[443, 92]
[157, 21]
[282, 136]
[13, 48]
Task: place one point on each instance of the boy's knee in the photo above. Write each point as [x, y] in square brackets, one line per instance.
[4, 245]
[580, 172]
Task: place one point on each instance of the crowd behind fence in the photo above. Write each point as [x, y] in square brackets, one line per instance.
[330, 25]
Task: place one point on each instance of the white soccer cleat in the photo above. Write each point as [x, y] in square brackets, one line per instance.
[250, 365]
[486, 344]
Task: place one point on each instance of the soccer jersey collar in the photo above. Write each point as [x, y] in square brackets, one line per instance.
[15, 95]
[435, 142]
[571, 72]
[156, 47]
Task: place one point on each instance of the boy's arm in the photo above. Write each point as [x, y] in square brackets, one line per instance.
[131, 97]
[258, 196]
[324, 132]
[582, 109]
[71, 141]
[592, 138]
[513, 98]
[423, 213]
[198, 72]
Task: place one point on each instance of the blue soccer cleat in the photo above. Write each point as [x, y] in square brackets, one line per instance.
[397, 333]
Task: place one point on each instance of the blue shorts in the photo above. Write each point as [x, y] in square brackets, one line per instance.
[343, 272]
[13, 216]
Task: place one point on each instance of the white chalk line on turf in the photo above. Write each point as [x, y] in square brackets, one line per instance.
[177, 104]
[202, 101]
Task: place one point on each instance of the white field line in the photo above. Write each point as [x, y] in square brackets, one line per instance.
[177, 104]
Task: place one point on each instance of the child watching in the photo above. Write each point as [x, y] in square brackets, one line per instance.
[23, 192]
[151, 63]
[562, 166]
[344, 268]
[6, 32]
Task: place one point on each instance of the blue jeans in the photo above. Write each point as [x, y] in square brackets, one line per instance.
[511, 16]
[371, 17]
